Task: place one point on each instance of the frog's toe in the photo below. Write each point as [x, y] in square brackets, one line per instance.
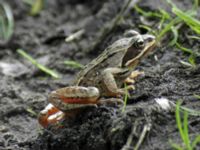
[136, 74]
[129, 81]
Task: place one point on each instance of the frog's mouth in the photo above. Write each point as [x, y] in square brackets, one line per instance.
[133, 55]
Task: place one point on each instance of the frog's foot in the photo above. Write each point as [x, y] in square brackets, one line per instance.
[74, 97]
[50, 115]
[133, 76]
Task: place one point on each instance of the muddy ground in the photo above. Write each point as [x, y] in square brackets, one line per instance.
[23, 87]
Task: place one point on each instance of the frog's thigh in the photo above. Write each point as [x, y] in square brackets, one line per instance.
[74, 97]
[109, 80]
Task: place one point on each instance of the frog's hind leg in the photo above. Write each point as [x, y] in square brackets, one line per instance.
[74, 97]
[50, 115]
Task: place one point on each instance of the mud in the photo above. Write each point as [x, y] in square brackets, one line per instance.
[24, 89]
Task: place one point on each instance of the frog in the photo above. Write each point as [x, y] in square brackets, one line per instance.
[100, 81]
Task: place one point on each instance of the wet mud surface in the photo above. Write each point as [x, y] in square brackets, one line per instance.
[24, 89]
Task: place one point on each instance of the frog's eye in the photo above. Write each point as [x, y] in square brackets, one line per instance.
[131, 33]
[139, 44]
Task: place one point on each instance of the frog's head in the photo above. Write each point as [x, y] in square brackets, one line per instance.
[138, 47]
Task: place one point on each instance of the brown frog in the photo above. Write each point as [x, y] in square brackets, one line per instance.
[101, 79]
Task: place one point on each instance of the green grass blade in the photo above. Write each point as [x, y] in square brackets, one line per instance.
[32, 112]
[125, 98]
[6, 21]
[195, 5]
[2, 28]
[190, 111]
[147, 14]
[185, 130]
[165, 14]
[37, 7]
[175, 33]
[197, 96]
[195, 142]
[73, 64]
[10, 20]
[194, 37]
[176, 146]
[34, 62]
[178, 122]
[193, 23]
[149, 29]
[184, 49]
[192, 60]
[168, 27]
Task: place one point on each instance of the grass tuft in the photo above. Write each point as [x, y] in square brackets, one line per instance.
[193, 23]
[192, 57]
[39, 66]
[183, 130]
[173, 24]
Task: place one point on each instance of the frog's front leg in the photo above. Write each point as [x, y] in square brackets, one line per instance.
[110, 85]
[134, 74]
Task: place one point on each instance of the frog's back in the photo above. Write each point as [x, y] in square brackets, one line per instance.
[110, 57]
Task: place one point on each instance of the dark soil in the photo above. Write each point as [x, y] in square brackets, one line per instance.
[24, 87]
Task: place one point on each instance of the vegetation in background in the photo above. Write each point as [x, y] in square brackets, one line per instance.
[6, 21]
[39, 66]
[36, 6]
[183, 130]
[197, 96]
[169, 23]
